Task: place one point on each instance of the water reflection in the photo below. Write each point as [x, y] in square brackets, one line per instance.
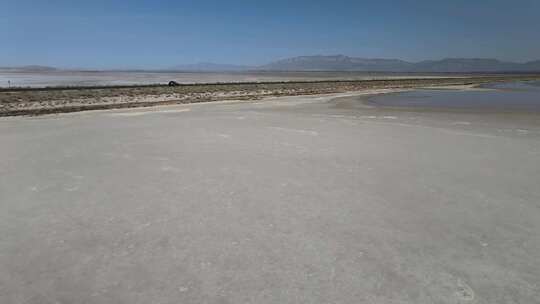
[511, 96]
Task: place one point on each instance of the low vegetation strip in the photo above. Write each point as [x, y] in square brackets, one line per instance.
[59, 100]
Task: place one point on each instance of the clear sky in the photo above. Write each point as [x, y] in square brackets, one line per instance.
[163, 33]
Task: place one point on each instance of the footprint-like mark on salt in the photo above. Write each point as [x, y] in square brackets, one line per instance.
[464, 291]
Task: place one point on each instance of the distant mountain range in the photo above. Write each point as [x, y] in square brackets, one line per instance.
[337, 63]
[352, 64]
[345, 63]
[211, 67]
[29, 68]
[448, 65]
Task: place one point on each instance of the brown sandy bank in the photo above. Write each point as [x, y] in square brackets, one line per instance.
[62, 100]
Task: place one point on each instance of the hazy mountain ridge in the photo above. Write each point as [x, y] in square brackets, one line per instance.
[210, 67]
[337, 63]
[345, 63]
[29, 68]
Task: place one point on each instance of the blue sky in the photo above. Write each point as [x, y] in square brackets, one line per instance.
[163, 33]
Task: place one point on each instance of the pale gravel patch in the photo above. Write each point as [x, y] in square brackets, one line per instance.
[139, 113]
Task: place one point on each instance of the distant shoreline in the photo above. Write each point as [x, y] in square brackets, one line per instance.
[101, 79]
[40, 101]
[341, 63]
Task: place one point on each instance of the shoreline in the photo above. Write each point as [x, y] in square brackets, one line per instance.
[362, 101]
[35, 102]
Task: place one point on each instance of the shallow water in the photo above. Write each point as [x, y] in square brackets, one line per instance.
[514, 86]
[510, 96]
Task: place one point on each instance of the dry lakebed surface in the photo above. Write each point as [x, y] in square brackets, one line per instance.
[327, 197]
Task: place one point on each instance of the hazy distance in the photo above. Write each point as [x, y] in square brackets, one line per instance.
[163, 34]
